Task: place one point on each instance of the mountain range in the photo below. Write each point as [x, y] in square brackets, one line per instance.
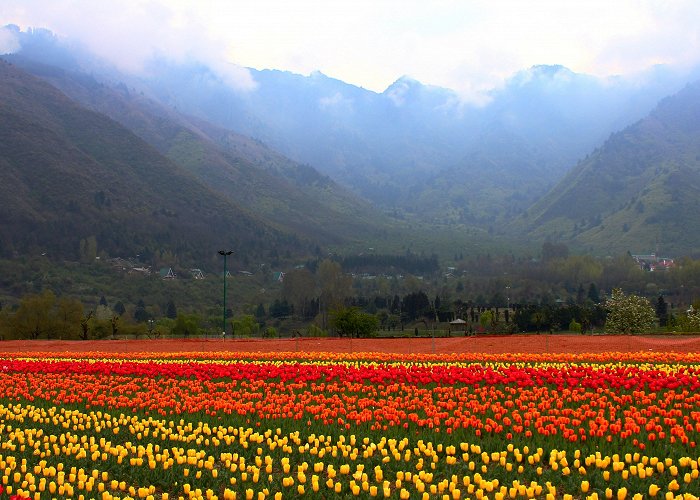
[420, 148]
[600, 164]
[71, 175]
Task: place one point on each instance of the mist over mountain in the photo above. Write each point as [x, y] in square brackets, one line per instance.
[416, 151]
[75, 179]
[417, 147]
[288, 194]
[639, 191]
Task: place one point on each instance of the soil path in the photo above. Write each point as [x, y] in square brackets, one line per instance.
[483, 344]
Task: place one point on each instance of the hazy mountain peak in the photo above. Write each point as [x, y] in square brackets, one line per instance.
[543, 74]
[550, 69]
[399, 91]
[409, 90]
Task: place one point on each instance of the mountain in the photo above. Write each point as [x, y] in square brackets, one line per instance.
[638, 192]
[72, 176]
[540, 123]
[416, 151]
[291, 195]
[419, 148]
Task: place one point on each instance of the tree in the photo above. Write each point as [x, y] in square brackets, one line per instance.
[416, 305]
[299, 289]
[171, 310]
[334, 286]
[260, 313]
[486, 319]
[114, 323]
[349, 321]
[119, 308]
[538, 318]
[628, 314]
[551, 251]
[68, 316]
[140, 313]
[280, 309]
[88, 249]
[34, 316]
[245, 326]
[692, 320]
[593, 294]
[185, 325]
[662, 311]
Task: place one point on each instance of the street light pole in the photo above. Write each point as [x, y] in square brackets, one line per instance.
[223, 321]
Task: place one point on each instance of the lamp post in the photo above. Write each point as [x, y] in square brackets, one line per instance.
[223, 320]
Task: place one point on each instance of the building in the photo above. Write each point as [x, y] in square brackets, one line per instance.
[197, 274]
[652, 262]
[167, 273]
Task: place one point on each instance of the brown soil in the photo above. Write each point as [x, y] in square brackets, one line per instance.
[456, 345]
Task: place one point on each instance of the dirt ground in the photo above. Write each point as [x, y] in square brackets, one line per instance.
[483, 344]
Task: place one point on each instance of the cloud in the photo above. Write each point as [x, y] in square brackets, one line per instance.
[8, 40]
[470, 47]
[336, 103]
[130, 33]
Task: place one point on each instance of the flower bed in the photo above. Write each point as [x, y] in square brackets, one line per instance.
[254, 425]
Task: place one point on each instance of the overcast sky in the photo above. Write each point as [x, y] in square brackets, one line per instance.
[464, 45]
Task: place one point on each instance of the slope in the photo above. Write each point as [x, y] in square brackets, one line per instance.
[288, 194]
[640, 191]
[69, 174]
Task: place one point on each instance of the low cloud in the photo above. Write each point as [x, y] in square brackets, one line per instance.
[470, 47]
[8, 40]
[336, 102]
[233, 75]
[131, 33]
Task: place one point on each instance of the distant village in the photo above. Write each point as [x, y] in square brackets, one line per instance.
[647, 262]
[652, 262]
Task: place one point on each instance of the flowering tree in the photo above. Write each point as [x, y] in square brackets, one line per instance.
[692, 320]
[628, 313]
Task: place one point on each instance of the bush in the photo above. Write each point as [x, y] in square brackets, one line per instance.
[314, 331]
[575, 326]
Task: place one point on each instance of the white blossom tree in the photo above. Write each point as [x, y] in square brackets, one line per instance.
[693, 319]
[628, 314]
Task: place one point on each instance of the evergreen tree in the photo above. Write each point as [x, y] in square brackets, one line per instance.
[662, 311]
[260, 312]
[171, 310]
[593, 294]
[140, 313]
[119, 308]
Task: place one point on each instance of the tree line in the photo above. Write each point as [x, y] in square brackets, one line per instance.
[497, 294]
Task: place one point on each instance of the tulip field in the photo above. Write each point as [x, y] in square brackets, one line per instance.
[234, 424]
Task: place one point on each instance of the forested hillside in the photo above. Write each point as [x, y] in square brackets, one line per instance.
[640, 191]
[76, 183]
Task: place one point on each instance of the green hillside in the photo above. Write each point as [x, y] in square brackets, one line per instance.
[289, 195]
[640, 191]
[72, 176]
